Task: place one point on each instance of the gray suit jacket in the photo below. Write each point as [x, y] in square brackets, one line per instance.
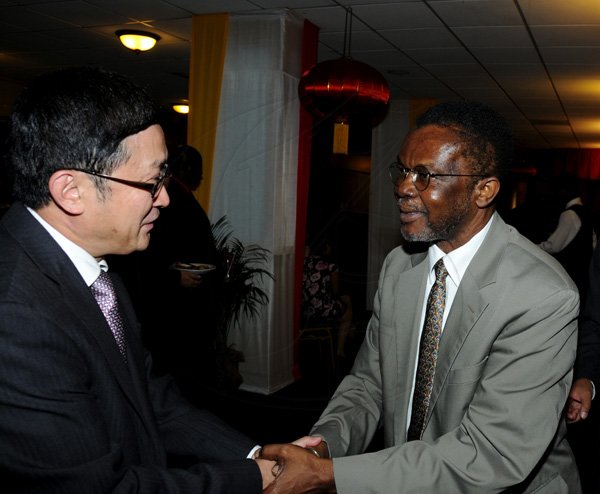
[503, 374]
[74, 417]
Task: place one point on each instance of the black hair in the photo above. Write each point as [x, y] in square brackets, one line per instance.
[74, 118]
[488, 138]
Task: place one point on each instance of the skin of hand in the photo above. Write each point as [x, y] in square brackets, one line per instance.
[266, 471]
[309, 442]
[190, 280]
[299, 470]
[580, 400]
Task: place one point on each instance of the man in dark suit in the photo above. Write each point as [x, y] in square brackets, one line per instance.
[80, 411]
[469, 382]
[586, 435]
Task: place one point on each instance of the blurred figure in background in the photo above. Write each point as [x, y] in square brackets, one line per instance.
[322, 302]
[572, 241]
[180, 336]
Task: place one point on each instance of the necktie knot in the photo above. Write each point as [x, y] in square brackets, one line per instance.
[104, 293]
[440, 271]
[103, 290]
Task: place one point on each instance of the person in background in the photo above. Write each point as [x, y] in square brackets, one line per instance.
[573, 239]
[585, 436]
[322, 302]
[180, 338]
[468, 357]
[80, 411]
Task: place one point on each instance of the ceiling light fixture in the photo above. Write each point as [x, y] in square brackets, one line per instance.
[181, 108]
[137, 40]
[346, 90]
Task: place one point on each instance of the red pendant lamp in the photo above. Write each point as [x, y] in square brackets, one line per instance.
[344, 89]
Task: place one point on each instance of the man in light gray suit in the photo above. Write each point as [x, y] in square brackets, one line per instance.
[493, 414]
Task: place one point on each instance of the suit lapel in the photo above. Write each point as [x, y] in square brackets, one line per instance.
[407, 315]
[76, 296]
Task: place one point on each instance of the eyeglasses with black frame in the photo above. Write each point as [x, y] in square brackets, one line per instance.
[152, 187]
[421, 176]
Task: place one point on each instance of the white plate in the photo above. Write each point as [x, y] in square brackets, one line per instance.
[194, 267]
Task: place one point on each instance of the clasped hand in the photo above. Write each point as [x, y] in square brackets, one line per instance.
[297, 468]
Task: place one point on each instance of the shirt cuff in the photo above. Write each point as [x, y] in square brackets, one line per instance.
[256, 448]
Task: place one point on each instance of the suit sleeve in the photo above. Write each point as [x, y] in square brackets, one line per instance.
[54, 437]
[588, 349]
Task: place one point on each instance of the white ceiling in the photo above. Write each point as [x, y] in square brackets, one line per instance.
[536, 61]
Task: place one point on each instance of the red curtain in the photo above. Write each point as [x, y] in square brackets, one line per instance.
[309, 58]
[584, 163]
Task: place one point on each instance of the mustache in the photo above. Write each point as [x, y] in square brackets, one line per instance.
[406, 206]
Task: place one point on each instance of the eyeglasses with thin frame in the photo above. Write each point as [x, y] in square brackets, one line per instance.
[421, 176]
[152, 187]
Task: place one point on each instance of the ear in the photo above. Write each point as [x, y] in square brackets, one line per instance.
[486, 191]
[65, 189]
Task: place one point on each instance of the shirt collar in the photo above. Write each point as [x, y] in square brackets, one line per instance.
[458, 260]
[85, 263]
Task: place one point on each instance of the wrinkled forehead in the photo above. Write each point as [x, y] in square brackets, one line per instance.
[432, 144]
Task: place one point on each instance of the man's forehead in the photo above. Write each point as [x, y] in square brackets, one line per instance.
[433, 141]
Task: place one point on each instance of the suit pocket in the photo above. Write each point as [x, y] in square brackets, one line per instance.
[467, 375]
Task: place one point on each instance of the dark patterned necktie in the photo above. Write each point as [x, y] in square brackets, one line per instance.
[428, 350]
[104, 292]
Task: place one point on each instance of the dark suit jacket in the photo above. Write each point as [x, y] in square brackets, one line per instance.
[588, 349]
[74, 418]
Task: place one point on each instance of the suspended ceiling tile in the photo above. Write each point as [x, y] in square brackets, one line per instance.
[561, 12]
[292, 4]
[181, 28]
[141, 9]
[524, 54]
[327, 19]
[397, 15]
[477, 12]
[525, 87]
[76, 13]
[573, 36]
[427, 37]
[214, 6]
[494, 36]
[20, 19]
[367, 40]
[389, 58]
[533, 70]
[440, 56]
[588, 55]
[468, 69]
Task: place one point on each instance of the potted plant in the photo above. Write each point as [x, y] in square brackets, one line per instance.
[238, 294]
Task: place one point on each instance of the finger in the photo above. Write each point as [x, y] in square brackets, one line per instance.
[276, 470]
[308, 441]
[271, 452]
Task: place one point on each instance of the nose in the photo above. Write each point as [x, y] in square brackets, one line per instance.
[405, 187]
[162, 199]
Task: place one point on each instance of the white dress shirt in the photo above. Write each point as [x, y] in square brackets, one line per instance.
[456, 262]
[568, 226]
[85, 263]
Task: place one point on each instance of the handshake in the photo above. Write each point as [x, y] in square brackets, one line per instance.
[300, 467]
